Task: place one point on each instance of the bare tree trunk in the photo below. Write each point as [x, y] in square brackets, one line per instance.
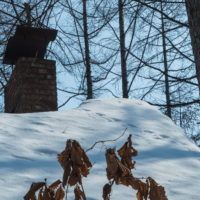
[167, 87]
[193, 11]
[123, 49]
[87, 53]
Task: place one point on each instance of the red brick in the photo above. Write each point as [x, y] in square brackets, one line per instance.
[32, 87]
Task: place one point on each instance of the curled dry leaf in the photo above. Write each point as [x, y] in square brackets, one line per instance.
[126, 152]
[128, 180]
[142, 189]
[62, 157]
[76, 153]
[79, 194]
[67, 172]
[48, 195]
[139, 196]
[40, 196]
[33, 189]
[45, 193]
[136, 184]
[156, 192]
[107, 191]
[84, 170]
[80, 159]
[75, 163]
[115, 169]
[55, 185]
[59, 194]
[75, 177]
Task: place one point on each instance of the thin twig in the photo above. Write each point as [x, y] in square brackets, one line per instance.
[103, 141]
[83, 191]
[67, 190]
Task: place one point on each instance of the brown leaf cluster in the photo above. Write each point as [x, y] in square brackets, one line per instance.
[121, 175]
[75, 163]
[79, 194]
[135, 183]
[116, 168]
[53, 192]
[126, 152]
[156, 192]
[107, 191]
[120, 172]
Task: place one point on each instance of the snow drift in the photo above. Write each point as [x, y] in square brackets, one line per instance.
[29, 144]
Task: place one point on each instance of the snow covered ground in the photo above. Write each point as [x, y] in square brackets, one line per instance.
[29, 144]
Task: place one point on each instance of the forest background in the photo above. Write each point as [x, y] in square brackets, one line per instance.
[143, 49]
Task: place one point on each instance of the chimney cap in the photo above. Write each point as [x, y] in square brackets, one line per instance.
[28, 42]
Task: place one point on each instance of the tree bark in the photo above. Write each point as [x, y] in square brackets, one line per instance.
[123, 49]
[87, 53]
[193, 11]
[165, 62]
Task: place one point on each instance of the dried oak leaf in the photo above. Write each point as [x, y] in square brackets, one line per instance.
[84, 170]
[129, 180]
[115, 169]
[59, 194]
[48, 194]
[156, 191]
[64, 157]
[86, 165]
[79, 194]
[74, 162]
[55, 185]
[66, 174]
[106, 191]
[143, 190]
[33, 189]
[136, 184]
[79, 158]
[139, 196]
[75, 177]
[126, 180]
[40, 195]
[33, 197]
[76, 153]
[126, 152]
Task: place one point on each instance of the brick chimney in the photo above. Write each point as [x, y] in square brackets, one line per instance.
[32, 86]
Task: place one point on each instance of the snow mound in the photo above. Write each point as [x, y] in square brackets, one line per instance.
[29, 144]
